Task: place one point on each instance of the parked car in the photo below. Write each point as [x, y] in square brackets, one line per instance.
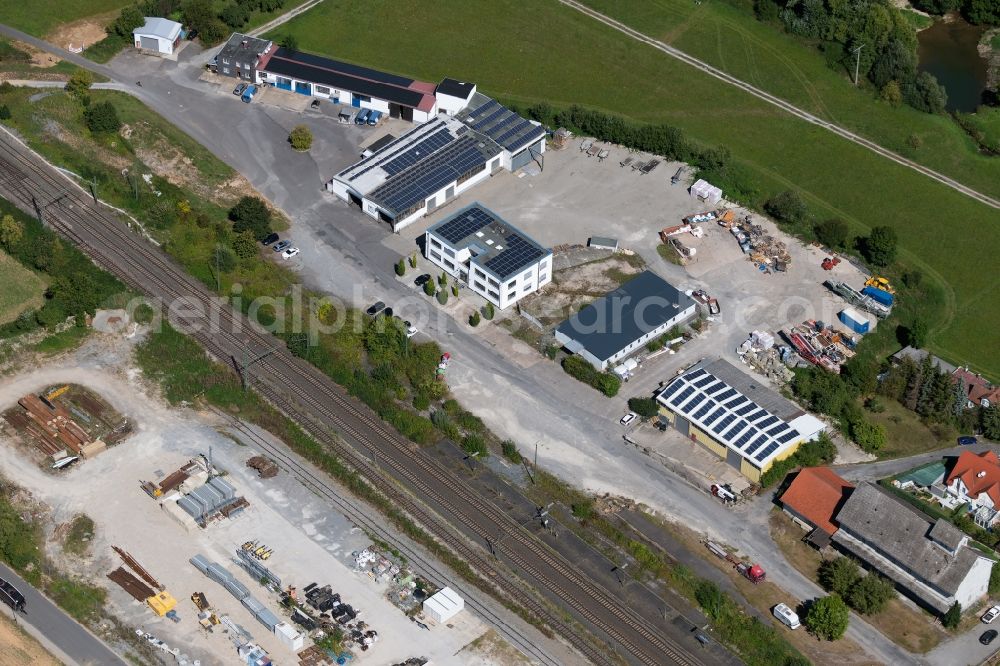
[991, 614]
[375, 308]
[411, 330]
[238, 90]
[289, 253]
[282, 246]
[387, 312]
[362, 117]
[628, 418]
[271, 239]
[787, 616]
[374, 117]
[988, 636]
[967, 440]
[422, 279]
[314, 104]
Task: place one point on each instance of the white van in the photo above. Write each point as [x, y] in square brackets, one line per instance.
[787, 616]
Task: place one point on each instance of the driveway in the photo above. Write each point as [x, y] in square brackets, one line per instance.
[343, 253]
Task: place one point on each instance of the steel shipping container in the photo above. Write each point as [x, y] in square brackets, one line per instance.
[854, 321]
[879, 295]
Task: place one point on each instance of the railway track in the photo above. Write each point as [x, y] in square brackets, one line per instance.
[428, 567]
[304, 394]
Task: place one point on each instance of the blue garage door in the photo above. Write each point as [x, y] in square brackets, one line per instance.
[303, 88]
[284, 84]
[355, 101]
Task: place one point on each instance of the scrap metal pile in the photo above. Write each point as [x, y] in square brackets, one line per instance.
[764, 250]
[266, 468]
[820, 344]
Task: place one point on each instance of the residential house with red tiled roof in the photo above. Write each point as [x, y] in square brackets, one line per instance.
[975, 478]
[978, 391]
[813, 499]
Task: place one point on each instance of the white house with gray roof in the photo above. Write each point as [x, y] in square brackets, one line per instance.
[931, 561]
[495, 259]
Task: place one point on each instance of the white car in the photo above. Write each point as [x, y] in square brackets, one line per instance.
[289, 253]
[991, 615]
[411, 331]
[628, 418]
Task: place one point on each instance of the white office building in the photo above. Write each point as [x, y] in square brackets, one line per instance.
[497, 261]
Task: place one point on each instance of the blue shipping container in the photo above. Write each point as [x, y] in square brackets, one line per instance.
[854, 321]
[879, 295]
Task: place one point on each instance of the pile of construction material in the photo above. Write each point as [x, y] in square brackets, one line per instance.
[288, 636]
[760, 353]
[765, 251]
[821, 345]
[53, 428]
[266, 468]
[189, 476]
[215, 498]
[141, 585]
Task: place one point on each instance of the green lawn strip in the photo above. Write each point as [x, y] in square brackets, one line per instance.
[728, 36]
[39, 20]
[22, 289]
[617, 75]
[62, 341]
[907, 435]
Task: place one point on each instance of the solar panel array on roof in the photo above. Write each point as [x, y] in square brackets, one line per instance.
[418, 151]
[702, 383]
[711, 404]
[672, 389]
[726, 395]
[518, 254]
[695, 401]
[768, 450]
[503, 125]
[715, 388]
[683, 396]
[736, 421]
[464, 225]
[421, 180]
[346, 68]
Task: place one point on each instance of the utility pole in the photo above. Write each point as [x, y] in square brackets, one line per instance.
[857, 64]
[243, 368]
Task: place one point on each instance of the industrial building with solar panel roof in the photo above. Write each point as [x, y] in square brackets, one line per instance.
[735, 417]
[468, 141]
[496, 260]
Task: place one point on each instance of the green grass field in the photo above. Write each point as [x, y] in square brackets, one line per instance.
[528, 51]
[39, 19]
[22, 289]
[726, 35]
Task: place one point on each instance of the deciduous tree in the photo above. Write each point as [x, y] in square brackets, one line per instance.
[827, 617]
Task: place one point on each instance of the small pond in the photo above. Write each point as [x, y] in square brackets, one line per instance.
[947, 50]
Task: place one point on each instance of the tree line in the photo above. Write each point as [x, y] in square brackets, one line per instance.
[213, 25]
[871, 37]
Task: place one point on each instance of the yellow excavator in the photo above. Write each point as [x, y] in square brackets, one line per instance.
[880, 283]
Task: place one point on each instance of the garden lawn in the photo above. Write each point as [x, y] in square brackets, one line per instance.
[906, 435]
[543, 51]
[40, 20]
[22, 289]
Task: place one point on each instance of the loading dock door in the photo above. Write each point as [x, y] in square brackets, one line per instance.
[355, 199]
[303, 88]
[519, 160]
[449, 194]
[150, 43]
[682, 425]
[733, 458]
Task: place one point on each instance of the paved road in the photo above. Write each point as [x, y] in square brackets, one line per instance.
[780, 103]
[58, 628]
